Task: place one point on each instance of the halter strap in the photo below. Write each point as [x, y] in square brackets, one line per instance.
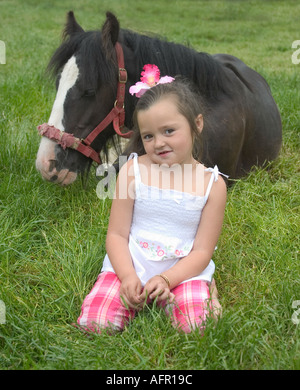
[117, 114]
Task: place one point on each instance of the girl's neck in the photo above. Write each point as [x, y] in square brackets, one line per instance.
[180, 177]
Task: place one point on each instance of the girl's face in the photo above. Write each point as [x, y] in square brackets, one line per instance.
[166, 134]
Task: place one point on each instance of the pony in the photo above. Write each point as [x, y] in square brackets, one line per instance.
[94, 71]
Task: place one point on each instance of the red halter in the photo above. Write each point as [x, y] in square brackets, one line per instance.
[116, 115]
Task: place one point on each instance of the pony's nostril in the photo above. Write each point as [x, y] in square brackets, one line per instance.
[54, 178]
[52, 164]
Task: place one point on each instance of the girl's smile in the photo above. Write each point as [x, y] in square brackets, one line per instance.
[164, 153]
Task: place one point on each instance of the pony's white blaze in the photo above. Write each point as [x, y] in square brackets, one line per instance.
[68, 79]
[46, 152]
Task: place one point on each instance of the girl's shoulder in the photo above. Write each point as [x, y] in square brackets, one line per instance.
[212, 172]
[125, 167]
[126, 172]
[212, 180]
[128, 169]
[218, 190]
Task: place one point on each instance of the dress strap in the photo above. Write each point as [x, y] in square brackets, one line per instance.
[137, 174]
[214, 177]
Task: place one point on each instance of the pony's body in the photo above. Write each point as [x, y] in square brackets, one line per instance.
[242, 127]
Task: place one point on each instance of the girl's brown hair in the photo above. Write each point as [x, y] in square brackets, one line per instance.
[189, 104]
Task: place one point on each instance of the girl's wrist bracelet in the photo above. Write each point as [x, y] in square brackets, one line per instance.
[165, 279]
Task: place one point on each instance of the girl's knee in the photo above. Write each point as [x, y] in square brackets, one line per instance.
[102, 308]
[96, 321]
[189, 318]
[190, 309]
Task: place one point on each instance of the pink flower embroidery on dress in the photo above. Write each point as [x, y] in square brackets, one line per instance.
[160, 252]
[163, 252]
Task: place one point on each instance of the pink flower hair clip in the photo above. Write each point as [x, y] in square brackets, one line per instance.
[150, 78]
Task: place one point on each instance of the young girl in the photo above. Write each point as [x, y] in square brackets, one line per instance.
[163, 232]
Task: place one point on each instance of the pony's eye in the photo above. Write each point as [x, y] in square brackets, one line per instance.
[89, 92]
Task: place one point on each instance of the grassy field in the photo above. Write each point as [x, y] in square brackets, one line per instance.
[52, 238]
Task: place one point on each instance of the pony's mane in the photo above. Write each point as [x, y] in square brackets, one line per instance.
[202, 68]
[96, 64]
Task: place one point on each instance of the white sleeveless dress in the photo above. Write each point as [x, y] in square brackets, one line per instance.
[163, 229]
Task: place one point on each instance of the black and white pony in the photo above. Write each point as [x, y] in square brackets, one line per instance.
[242, 127]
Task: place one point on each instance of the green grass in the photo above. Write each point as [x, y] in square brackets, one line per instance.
[52, 238]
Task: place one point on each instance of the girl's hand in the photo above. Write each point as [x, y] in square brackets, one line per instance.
[130, 291]
[156, 287]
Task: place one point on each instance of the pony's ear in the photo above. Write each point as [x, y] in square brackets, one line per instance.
[110, 32]
[71, 26]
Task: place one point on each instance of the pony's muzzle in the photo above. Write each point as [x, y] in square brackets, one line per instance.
[47, 164]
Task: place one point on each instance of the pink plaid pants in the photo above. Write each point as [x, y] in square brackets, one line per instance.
[103, 308]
